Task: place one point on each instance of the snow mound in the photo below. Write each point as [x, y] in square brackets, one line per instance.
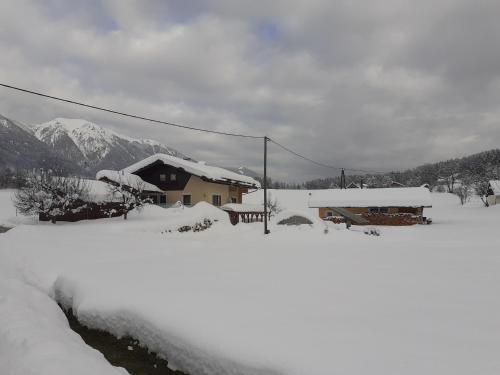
[35, 337]
[288, 214]
[154, 218]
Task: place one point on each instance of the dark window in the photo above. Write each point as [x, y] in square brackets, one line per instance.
[329, 213]
[373, 210]
[216, 200]
[163, 199]
[234, 200]
[163, 177]
[384, 210]
[173, 177]
[186, 199]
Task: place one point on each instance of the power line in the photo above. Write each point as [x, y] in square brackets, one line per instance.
[319, 163]
[181, 126]
[128, 114]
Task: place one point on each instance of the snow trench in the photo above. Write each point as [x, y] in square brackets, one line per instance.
[180, 353]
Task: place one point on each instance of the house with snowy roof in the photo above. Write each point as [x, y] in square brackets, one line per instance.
[167, 179]
[353, 185]
[493, 196]
[396, 206]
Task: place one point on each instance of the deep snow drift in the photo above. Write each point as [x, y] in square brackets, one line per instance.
[229, 300]
[35, 337]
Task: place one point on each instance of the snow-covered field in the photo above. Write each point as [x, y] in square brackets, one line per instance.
[8, 215]
[229, 300]
[7, 209]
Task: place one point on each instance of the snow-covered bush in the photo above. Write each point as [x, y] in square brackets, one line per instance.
[371, 231]
[50, 195]
[197, 227]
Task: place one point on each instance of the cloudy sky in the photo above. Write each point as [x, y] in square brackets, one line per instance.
[362, 84]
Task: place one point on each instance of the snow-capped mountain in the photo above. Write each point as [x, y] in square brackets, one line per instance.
[76, 146]
[20, 149]
[94, 147]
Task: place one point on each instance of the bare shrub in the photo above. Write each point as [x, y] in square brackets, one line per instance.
[50, 195]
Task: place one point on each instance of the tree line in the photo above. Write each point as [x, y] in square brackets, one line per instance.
[461, 176]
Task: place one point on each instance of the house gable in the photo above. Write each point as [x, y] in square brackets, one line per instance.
[153, 172]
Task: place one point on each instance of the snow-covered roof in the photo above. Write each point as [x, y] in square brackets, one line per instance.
[127, 179]
[386, 197]
[242, 207]
[495, 186]
[199, 169]
[98, 191]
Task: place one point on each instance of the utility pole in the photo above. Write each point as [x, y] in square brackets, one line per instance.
[342, 179]
[266, 231]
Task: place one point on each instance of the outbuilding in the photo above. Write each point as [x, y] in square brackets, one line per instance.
[396, 206]
[493, 196]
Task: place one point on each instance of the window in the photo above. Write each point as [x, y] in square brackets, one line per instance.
[216, 200]
[378, 210]
[163, 199]
[173, 177]
[384, 210]
[329, 213]
[163, 177]
[186, 199]
[234, 200]
[373, 210]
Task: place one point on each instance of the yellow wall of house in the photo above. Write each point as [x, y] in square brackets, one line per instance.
[202, 191]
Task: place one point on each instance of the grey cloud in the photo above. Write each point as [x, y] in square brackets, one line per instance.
[372, 85]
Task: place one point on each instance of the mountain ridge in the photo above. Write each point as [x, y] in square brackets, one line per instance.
[96, 147]
[20, 149]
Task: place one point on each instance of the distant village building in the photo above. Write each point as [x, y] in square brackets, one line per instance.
[493, 192]
[353, 185]
[170, 179]
[396, 206]
[395, 184]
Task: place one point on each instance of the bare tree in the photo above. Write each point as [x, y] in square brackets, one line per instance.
[451, 181]
[481, 188]
[463, 191]
[131, 194]
[273, 205]
[50, 195]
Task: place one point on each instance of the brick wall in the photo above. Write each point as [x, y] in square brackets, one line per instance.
[393, 219]
[385, 219]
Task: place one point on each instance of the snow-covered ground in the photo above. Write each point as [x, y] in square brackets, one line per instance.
[286, 199]
[229, 300]
[7, 209]
[8, 214]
